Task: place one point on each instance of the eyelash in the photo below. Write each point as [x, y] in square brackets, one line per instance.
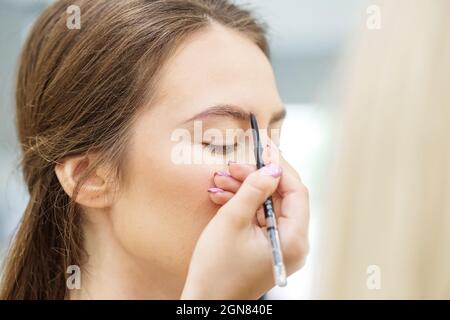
[220, 148]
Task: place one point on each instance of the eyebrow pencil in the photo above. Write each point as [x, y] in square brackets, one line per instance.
[279, 270]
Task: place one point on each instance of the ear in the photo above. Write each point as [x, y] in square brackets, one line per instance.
[98, 188]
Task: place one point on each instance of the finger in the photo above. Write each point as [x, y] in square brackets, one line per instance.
[255, 189]
[240, 171]
[277, 204]
[219, 196]
[223, 180]
[260, 217]
[295, 198]
[271, 152]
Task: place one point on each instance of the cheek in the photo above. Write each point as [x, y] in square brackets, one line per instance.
[163, 209]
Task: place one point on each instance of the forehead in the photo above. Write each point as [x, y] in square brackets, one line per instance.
[216, 66]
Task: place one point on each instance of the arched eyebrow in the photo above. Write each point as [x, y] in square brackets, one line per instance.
[235, 112]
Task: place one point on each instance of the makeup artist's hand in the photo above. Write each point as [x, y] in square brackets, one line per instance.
[232, 258]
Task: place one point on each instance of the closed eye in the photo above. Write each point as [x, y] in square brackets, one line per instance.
[220, 148]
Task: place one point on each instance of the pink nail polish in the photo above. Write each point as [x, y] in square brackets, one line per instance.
[272, 169]
[215, 190]
[222, 174]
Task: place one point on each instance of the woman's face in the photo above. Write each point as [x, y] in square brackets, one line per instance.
[216, 75]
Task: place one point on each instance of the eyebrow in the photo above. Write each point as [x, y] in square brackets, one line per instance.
[234, 112]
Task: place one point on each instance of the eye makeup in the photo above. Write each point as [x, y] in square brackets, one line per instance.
[221, 149]
[211, 130]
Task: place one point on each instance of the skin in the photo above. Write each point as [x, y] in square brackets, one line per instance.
[160, 234]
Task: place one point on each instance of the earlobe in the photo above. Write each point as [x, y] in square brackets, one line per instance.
[95, 190]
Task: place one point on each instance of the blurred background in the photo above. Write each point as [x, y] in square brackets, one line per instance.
[307, 39]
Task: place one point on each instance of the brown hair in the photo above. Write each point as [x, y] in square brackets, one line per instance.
[78, 90]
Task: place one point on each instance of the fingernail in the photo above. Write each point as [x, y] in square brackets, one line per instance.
[272, 169]
[222, 174]
[215, 190]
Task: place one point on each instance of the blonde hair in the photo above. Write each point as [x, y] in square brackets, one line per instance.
[389, 204]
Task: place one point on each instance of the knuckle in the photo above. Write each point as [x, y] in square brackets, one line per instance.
[304, 190]
[297, 249]
[297, 176]
[292, 170]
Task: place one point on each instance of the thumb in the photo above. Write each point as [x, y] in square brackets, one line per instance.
[255, 189]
